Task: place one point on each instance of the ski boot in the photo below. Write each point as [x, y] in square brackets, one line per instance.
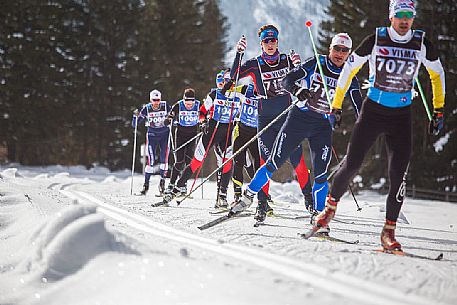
[176, 192]
[169, 189]
[161, 186]
[221, 202]
[145, 189]
[323, 219]
[244, 202]
[388, 241]
[261, 211]
[237, 194]
[269, 204]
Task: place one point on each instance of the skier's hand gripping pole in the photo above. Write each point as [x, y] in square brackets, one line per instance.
[241, 149]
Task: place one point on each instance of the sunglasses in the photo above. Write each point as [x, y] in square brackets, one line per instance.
[341, 49]
[189, 99]
[268, 40]
[408, 15]
[156, 99]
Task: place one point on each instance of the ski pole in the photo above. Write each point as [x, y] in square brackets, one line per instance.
[321, 71]
[188, 141]
[230, 123]
[133, 157]
[350, 188]
[242, 148]
[203, 160]
[424, 101]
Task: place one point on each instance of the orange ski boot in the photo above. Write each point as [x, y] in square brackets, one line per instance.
[324, 218]
[388, 241]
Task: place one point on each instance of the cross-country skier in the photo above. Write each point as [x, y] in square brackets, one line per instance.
[154, 114]
[395, 54]
[267, 71]
[245, 130]
[186, 115]
[220, 110]
[309, 119]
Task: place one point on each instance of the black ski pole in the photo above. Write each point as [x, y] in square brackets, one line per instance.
[350, 188]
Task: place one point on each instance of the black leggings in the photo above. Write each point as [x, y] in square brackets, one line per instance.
[245, 134]
[376, 120]
[184, 155]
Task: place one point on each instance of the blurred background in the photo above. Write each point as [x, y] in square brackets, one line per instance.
[72, 72]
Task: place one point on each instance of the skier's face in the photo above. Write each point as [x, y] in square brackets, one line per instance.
[402, 25]
[155, 102]
[269, 45]
[338, 55]
[189, 103]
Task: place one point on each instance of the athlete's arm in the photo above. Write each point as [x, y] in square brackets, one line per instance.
[298, 73]
[436, 72]
[355, 95]
[354, 63]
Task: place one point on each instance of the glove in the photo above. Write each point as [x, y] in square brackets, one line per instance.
[241, 45]
[302, 93]
[228, 85]
[136, 112]
[437, 122]
[296, 60]
[335, 118]
[204, 126]
[167, 121]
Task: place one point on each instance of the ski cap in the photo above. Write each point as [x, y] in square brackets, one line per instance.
[189, 94]
[269, 33]
[342, 39]
[222, 76]
[401, 6]
[155, 95]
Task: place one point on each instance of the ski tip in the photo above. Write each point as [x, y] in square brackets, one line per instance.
[308, 23]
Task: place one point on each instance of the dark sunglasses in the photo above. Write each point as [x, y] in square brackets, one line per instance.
[189, 99]
[156, 99]
[401, 15]
[268, 40]
[341, 49]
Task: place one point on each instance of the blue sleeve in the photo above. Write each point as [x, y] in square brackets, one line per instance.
[303, 71]
[355, 95]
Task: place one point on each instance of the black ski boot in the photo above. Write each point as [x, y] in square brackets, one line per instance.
[145, 189]
[261, 211]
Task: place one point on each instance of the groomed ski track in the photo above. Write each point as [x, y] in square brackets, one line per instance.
[336, 282]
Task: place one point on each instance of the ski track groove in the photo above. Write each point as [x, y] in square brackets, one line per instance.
[314, 274]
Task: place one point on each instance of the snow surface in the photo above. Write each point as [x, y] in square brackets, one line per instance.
[76, 236]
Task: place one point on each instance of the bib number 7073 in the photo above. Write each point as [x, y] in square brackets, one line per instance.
[397, 66]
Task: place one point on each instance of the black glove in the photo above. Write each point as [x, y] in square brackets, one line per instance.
[167, 121]
[335, 118]
[437, 122]
[227, 86]
[204, 126]
[302, 93]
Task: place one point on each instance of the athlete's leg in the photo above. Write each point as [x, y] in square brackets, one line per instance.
[289, 137]
[398, 142]
[320, 144]
[365, 132]
[164, 150]
[303, 176]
